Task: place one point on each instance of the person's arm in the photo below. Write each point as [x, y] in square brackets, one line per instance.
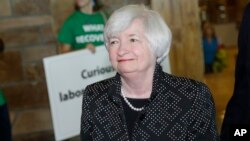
[86, 119]
[64, 48]
[65, 37]
[203, 125]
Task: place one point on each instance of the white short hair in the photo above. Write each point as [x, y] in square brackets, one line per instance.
[156, 30]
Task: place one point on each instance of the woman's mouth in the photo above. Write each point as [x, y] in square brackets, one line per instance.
[124, 60]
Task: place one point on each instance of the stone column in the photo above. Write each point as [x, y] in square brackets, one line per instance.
[182, 16]
[60, 10]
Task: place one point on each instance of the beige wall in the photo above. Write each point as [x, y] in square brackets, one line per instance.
[227, 34]
[186, 53]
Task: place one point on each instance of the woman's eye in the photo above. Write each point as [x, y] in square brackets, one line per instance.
[113, 42]
[133, 40]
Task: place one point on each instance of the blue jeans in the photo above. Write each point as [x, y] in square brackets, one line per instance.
[5, 125]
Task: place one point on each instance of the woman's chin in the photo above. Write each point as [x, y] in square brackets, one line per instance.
[126, 70]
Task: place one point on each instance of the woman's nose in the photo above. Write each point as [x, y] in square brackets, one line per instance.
[123, 48]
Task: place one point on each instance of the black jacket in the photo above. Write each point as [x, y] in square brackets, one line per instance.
[180, 109]
[238, 108]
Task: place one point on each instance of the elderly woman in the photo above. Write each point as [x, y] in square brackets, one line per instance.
[142, 103]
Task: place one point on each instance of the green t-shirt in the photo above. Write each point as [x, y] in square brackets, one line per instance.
[2, 98]
[79, 29]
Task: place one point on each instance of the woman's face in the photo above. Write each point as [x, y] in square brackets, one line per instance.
[82, 3]
[129, 51]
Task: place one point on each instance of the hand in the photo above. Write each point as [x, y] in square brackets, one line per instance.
[91, 47]
[64, 48]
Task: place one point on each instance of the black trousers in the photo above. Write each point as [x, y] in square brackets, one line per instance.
[5, 125]
[208, 68]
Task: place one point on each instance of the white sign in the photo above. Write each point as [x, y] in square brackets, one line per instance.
[67, 75]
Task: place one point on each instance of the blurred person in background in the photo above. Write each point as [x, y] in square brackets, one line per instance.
[210, 45]
[5, 125]
[238, 108]
[83, 28]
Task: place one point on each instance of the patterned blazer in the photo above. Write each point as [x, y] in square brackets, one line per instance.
[179, 109]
